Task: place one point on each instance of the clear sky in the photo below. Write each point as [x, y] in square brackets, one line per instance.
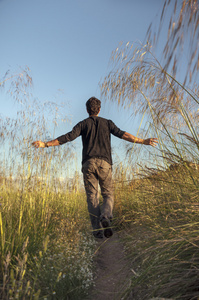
[67, 45]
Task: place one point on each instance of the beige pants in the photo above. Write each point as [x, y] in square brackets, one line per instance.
[98, 171]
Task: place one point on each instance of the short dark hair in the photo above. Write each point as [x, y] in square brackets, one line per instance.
[93, 106]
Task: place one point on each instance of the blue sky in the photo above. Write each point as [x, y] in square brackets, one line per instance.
[67, 45]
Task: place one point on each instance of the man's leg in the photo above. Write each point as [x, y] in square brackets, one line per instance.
[106, 185]
[105, 181]
[91, 188]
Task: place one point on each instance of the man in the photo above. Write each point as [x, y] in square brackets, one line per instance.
[97, 162]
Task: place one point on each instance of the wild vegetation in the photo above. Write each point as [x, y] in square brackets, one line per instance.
[160, 206]
[160, 216]
[46, 248]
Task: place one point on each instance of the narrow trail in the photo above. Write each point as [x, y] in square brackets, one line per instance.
[112, 270]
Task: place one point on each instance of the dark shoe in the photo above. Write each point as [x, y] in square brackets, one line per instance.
[108, 232]
[98, 235]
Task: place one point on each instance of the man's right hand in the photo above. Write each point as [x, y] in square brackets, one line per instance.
[38, 144]
[151, 141]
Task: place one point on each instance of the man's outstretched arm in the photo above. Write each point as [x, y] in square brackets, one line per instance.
[133, 139]
[40, 144]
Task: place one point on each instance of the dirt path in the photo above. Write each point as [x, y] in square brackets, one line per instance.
[112, 270]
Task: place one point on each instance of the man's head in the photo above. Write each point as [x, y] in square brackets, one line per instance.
[93, 106]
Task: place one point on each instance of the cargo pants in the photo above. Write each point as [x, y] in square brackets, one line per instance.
[97, 171]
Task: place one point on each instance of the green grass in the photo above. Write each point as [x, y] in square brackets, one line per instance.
[160, 214]
[46, 245]
[47, 248]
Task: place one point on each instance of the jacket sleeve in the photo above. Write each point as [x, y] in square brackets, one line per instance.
[70, 136]
[115, 130]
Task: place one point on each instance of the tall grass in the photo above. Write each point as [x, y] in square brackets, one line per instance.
[160, 215]
[157, 204]
[158, 208]
[46, 246]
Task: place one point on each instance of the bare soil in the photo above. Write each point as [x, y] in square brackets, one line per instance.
[112, 270]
